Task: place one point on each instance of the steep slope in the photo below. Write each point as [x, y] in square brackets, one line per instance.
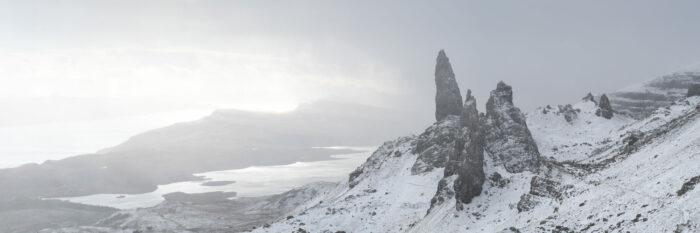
[629, 185]
[571, 132]
[598, 171]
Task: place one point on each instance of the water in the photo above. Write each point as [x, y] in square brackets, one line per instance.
[249, 182]
[37, 143]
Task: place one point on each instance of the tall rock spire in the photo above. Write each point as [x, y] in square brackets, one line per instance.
[470, 152]
[448, 99]
[463, 176]
[508, 140]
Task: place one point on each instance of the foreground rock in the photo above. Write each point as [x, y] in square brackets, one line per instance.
[508, 140]
[448, 99]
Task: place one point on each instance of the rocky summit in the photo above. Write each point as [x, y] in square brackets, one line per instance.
[508, 140]
[604, 108]
[448, 99]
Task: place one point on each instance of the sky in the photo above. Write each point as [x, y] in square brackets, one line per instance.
[87, 60]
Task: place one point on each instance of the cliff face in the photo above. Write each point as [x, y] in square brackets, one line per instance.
[508, 140]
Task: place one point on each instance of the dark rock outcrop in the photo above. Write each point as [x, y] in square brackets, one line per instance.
[448, 99]
[469, 154]
[693, 90]
[507, 138]
[436, 145]
[464, 172]
[604, 108]
[689, 185]
[589, 97]
[570, 114]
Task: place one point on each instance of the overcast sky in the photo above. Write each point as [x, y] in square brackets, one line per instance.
[273, 55]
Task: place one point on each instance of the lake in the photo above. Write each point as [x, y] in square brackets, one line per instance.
[246, 182]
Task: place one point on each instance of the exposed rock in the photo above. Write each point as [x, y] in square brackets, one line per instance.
[527, 202]
[589, 97]
[465, 166]
[693, 90]
[448, 99]
[469, 153]
[508, 140]
[604, 108]
[689, 185]
[436, 145]
[570, 114]
[541, 187]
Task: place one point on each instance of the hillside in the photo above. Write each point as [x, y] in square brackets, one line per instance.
[594, 175]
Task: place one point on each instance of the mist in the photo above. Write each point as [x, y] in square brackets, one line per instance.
[114, 101]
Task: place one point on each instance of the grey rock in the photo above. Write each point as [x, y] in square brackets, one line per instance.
[570, 114]
[469, 153]
[507, 138]
[693, 90]
[604, 108]
[436, 145]
[448, 99]
[465, 166]
[589, 97]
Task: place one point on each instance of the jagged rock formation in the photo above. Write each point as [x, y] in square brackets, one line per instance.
[469, 154]
[604, 108]
[589, 97]
[570, 114]
[448, 99]
[693, 90]
[436, 144]
[508, 140]
[464, 172]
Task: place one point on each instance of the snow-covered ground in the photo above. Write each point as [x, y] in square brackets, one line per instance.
[563, 140]
[624, 178]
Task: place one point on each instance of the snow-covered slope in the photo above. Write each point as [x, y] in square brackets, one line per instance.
[574, 138]
[642, 99]
[625, 178]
